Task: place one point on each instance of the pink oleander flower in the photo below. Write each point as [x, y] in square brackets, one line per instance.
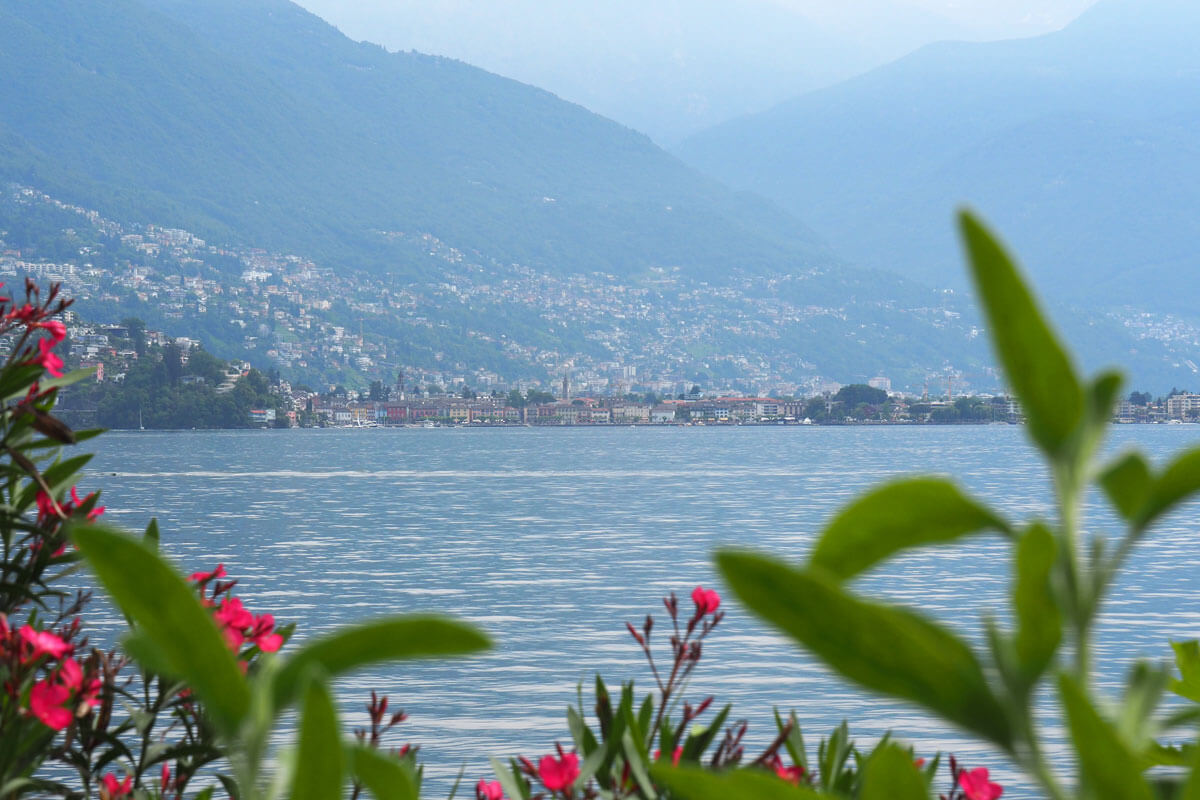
[25, 313]
[45, 506]
[674, 756]
[791, 774]
[70, 675]
[76, 502]
[165, 778]
[47, 701]
[707, 600]
[56, 329]
[489, 790]
[205, 577]
[112, 788]
[264, 636]
[975, 785]
[557, 774]
[47, 358]
[233, 616]
[43, 643]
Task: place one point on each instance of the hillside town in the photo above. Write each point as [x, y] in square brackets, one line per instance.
[311, 327]
[112, 351]
[446, 317]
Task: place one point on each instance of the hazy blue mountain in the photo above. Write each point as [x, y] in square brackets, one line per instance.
[254, 121]
[1080, 145]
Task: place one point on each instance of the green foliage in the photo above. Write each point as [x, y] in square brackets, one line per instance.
[156, 393]
[896, 517]
[1060, 579]
[892, 775]
[886, 649]
[743, 784]
[176, 634]
[162, 604]
[857, 394]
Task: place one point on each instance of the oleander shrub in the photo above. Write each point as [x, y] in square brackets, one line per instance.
[1124, 746]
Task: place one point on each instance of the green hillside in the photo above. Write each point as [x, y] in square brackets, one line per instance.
[256, 122]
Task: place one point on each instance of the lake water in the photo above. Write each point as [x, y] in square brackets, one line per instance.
[551, 539]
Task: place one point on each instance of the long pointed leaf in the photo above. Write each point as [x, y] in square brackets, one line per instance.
[907, 513]
[891, 775]
[1178, 481]
[1127, 483]
[1039, 623]
[691, 783]
[886, 649]
[320, 761]
[384, 776]
[1106, 763]
[1034, 362]
[374, 642]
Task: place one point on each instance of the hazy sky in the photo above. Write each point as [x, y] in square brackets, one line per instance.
[672, 67]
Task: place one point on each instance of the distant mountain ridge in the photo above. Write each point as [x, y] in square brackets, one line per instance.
[256, 121]
[1079, 145]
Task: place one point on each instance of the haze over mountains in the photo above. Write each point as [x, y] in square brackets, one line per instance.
[1079, 145]
[559, 238]
[670, 68]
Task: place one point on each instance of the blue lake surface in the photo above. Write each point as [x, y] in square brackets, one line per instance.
[551, 539]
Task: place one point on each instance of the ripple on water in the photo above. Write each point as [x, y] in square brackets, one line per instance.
[550, 540]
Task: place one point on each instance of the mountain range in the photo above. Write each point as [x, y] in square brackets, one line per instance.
[1080, 145]
[258, 126]
[258, 122]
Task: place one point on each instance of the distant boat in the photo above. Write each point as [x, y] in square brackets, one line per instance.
[141, 427]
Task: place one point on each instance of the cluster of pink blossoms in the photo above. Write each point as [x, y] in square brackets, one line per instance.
[111, 788]
[65, 691]
[237, 624]
[976, 786]
[34, 318]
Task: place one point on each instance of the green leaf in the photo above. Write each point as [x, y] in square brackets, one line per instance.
[644, 718]
[1191, 790]
[1161, 755]
[891, 775]
[795, 739]
[320, 760]
[373, 642]
[1178, 481]
[74, 376]
[585, 740]
[142, 649]
[1102, 395]
[1039, 623]
[1034, 362]
[385, 777]
[693, 783]
[1127, 482]
[904, 514]
[166, 609]
[1106, 763]
[696, 743]
[832, 755]
[513, 787]
[636, 758]
[886, 649]
[1187, 658]
[151, 537]
[15, 381]
[1143, 692]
